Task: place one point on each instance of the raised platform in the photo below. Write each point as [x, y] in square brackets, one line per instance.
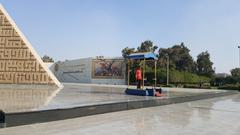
[27, 106]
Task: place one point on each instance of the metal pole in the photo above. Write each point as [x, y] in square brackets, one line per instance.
[167, 70]
[239, 55]
[143, 72]
[128, 72]
[155, 85]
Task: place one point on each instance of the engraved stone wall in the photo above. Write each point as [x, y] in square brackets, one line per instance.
[17, 63]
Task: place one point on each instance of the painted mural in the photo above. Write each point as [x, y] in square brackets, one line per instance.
[107, 69]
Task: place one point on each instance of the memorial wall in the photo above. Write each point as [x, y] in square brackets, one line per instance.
[91, 70]
[19, 63]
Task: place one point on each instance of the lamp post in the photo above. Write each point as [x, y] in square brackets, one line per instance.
[167, 69]
[239, 55]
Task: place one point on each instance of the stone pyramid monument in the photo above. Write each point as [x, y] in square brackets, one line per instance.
[19, 62]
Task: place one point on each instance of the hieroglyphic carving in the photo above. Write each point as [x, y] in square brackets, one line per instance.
[17, 63]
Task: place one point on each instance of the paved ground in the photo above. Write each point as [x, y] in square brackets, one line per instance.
[76, 95]
[217, 116]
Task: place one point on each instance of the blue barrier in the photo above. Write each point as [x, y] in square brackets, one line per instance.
[147, 92]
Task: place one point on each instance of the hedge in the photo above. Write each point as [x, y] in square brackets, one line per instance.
[175, 77]
[230, 87]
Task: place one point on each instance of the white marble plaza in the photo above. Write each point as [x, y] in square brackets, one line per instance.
[217, 116]
[77, 95]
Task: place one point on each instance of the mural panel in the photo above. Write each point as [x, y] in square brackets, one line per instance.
[107, 69]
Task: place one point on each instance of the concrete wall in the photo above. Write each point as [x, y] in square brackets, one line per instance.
[109, 81]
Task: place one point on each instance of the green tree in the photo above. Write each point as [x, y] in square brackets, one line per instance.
[127, 51]
[179, 58]
[183, 60]
[204, 64]
[163, 58]
[46, 58]
[236, 75]
[147, 46]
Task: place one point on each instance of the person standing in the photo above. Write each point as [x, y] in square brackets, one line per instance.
[138, 77]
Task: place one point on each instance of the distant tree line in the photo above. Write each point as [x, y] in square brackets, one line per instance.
[183, 69]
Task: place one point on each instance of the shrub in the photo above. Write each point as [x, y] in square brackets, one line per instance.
[175, 77]
[197, 86]
[230, 87]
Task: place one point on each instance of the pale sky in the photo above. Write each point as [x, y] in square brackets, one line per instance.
[71, 29]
